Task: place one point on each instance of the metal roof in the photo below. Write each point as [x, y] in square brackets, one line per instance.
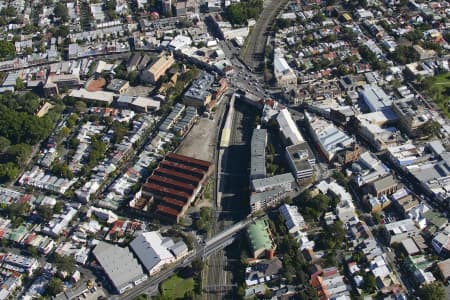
[118, 263]
[149, 249]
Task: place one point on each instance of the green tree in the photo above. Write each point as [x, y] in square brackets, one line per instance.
[62, 170]
[17, 209]
[235, 14]
[8, 12]
[431, 128]
[58, 207]
[19, 153]
[370, 283]
[72, 120]
[414, 35]
[120, 131]
[73, 143]
[46, 212]
[80, 106]
[4, 144]
[404, 54]
[33, 251]
[55, 286]
[340, 178]
[432, 291]
[19, 84]
[197, 266]
[98, 150]
[7, 50]
[64, 263]
[376, 217]
[8, 171]
[319, 18]
[60, 11]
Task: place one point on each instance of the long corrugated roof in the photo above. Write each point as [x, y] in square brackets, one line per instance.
[181, 167]
[189, 188]
[164, 190]
[167, 172]
[160, 209]
[189, 160]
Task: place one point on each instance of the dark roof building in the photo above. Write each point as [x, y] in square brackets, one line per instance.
[174, 184]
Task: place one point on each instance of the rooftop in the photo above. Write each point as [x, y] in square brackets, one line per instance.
[288, 128]
[259, 236]
[199, 89]
[118, 263]
[150, 249]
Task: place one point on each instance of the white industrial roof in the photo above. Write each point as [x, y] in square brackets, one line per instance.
[150, 248]
[288, 127]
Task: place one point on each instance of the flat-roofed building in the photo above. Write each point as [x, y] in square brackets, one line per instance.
[199, 93]
[285, 181]
[407, 154]
[329, 138]
[118, 86]
[375, 98]
[301, 161]
[258, 154]
[270, 191]
[157, 69]
[400, 230]
[288, 129]
[106, 98]
[411, 114]
[263, 200]
[56, 83]
[120, 266]
[434, 176]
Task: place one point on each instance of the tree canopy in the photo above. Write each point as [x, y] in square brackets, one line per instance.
[7, 49]
[239, 13]
[17, 120]
[405, 54]
[432, 291]
[55, 286]
[60, 11]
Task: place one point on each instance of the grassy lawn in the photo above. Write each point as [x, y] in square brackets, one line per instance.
[175, 287]
[438, 87]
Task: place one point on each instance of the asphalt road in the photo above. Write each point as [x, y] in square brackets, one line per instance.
[254, 48]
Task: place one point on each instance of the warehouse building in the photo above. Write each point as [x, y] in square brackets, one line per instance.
[375, 98]
[175, 184]
[155, 251]
[119, 264]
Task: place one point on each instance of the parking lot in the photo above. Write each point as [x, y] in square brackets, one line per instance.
[201, 140]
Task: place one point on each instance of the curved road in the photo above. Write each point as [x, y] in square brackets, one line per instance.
[253, 52]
